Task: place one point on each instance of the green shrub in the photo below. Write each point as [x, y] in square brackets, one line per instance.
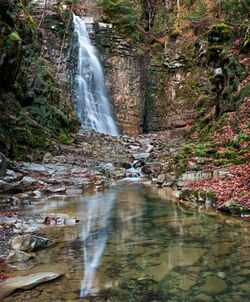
[63, 138]
[120, 13]
[14, 36]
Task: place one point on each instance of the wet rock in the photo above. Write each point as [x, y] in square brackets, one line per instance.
[26, 282]
[134, 147]
[21, 260]
[8, 221]
[233, 208]
[29, 243]
[206, 197]
[170, 179]
[139, 163]
[27, 182]
[146, 169]
[12, 176]
[74, 191]
[141, 156]
[55, 189]
[70, 181]
[32, 167]
[213, 285]
[9, 187]
[125, 165]
[161, 178]
[2, 165]
[115, 173]
[149, 149]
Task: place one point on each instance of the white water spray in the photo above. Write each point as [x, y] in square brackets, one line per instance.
[92, 104]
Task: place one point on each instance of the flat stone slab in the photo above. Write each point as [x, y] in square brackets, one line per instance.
[25, 282]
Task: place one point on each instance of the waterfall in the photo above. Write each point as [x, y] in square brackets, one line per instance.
[92, 103]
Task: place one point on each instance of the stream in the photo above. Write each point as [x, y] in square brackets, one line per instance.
[133, 244]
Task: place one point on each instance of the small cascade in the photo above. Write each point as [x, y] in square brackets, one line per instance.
[135, 172]
[92, 104]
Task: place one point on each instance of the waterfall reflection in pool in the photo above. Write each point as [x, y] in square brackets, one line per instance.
[132, 245]
[94, 237]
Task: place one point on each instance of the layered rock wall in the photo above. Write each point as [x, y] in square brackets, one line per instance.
[125, 77]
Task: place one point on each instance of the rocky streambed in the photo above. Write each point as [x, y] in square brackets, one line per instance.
[33, 194]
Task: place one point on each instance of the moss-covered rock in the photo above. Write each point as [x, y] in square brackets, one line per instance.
[205, 197]
[234, 208]
[33, 110]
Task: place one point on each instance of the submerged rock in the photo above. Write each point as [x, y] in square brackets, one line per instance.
[21, 260]
[203, 298]
[213, 285]
[26, 282]
[29, 243]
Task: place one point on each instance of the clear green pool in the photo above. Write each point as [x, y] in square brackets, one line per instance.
[133, 245]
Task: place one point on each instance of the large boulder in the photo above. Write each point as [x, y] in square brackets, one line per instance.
[28, 243]
[234, 208]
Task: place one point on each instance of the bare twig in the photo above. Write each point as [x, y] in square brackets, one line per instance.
[43, 14]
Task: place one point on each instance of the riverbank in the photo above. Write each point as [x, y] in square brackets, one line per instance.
[94, 162]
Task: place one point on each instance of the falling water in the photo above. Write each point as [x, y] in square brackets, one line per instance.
[92, 104]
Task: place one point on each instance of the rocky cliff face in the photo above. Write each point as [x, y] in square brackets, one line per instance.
[189, 74]
[35, 109]
[125, 73]
[147, 94]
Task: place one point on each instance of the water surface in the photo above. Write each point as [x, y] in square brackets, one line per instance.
[132, 245]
